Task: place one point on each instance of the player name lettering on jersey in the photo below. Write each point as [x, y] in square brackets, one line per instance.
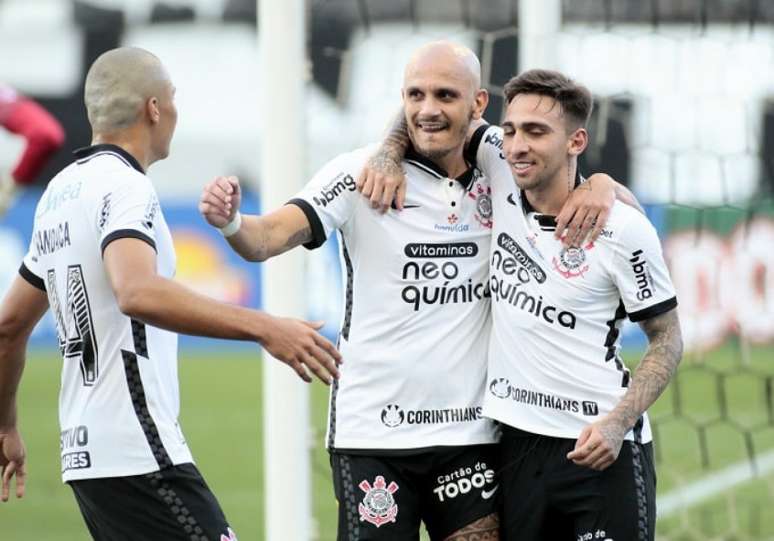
[48, 241]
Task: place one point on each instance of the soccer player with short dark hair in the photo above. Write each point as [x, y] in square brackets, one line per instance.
[576, 449]
[102, 259]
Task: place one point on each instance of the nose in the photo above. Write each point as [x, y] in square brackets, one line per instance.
[429, 108]
[515, 145]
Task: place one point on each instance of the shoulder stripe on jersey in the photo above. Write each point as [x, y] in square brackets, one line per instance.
[613, 331]
[318, 231]
[653, 311]
[140, 404]
[127, 234]
[32, 278]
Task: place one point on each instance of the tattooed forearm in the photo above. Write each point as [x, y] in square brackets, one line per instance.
[665, 348]
[397, 140]
[262, 237]
[301, 236]
[484, 529]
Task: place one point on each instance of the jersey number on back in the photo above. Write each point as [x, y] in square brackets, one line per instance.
[77, 340]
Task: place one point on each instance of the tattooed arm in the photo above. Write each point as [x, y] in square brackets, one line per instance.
[259, 237]
[382, 179]
[262, 237]
[599, 443]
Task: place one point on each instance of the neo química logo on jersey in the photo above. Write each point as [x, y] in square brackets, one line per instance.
[436, 282]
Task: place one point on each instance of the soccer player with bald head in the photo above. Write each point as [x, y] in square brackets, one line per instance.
[102, 259]
[407, 440]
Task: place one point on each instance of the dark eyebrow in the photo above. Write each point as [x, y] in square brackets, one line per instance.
[536, 125]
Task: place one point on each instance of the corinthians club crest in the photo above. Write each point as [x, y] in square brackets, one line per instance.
[483, 197]
[571, 262]
[378, 506]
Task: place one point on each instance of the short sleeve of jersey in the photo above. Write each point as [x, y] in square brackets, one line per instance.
[488, 144]
[31, 269]
[640, 272]
[128, 211]
[330, 198]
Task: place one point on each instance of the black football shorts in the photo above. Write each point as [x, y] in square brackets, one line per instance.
[546, 496]
[387, 497]
[174, 504]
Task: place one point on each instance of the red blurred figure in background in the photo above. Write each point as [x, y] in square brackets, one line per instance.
[42, 132]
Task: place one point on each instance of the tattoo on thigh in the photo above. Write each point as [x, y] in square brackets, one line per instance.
[483, 529]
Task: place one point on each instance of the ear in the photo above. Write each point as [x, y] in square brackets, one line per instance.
[577, 142]
[152, 109]
[481, 100]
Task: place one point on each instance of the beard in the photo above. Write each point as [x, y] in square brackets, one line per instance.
[453, 136]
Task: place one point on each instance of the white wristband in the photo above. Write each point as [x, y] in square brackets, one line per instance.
[232, 227]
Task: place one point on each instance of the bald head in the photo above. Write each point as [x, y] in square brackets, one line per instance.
[118, 85]
[457, 60]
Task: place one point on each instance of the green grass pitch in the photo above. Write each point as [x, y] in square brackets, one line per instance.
[221, 417]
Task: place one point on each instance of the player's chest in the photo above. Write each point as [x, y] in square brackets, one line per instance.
[529, 257]
[446, 208]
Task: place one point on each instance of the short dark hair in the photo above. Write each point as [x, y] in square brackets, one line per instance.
[574, 98]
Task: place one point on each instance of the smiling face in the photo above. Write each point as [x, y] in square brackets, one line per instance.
[538, 143]
[441, 96]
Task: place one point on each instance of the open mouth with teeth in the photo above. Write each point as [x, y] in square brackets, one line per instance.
[522, 167]
[432, 127]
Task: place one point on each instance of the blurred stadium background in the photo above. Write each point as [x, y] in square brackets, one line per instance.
[684, 116]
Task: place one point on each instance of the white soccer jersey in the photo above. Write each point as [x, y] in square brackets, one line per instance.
[554, 364]
[416, 323]
[119, 401]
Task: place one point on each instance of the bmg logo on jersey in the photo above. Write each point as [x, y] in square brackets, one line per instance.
[465, 480]
[342, 183]
[642, 276]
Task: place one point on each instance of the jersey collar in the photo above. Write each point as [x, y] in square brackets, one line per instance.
[545, 221]
[429, 166]
[87, 153]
